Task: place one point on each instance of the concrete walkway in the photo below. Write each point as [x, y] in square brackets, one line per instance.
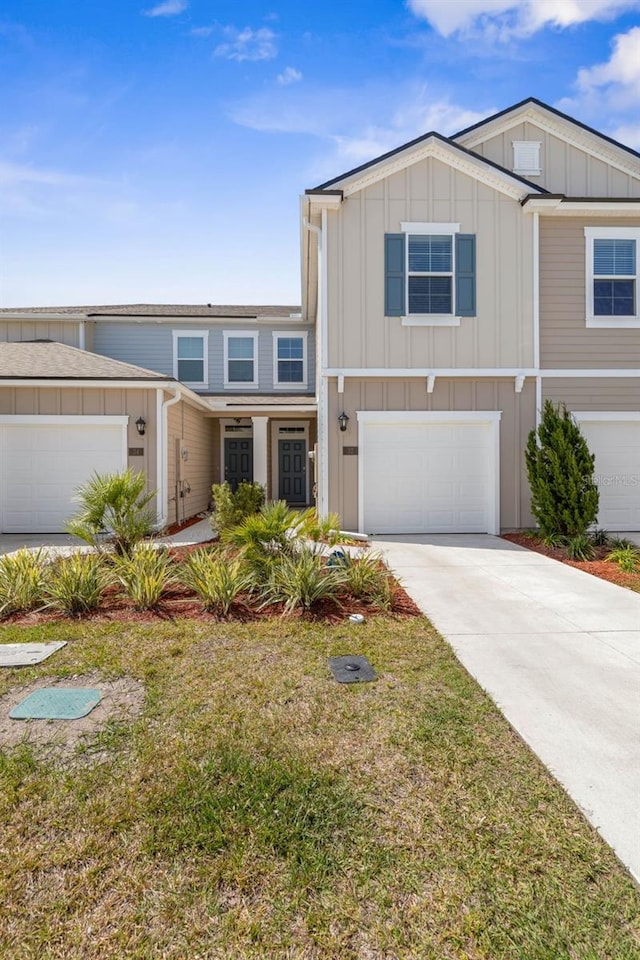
[557, 649]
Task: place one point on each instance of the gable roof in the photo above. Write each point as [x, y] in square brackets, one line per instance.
[49, 360]
[429, 144]
[552, 110]
[158, 310]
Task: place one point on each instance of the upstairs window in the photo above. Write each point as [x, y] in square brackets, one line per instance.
[240, 355]
[190, 357]
[612, 276]
[290, 359]
[430, 274]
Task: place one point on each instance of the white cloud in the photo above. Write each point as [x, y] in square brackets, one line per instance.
[607, 94]
[504, 19]
[168, 8]
[289, 75]
[201, 31]
[247, 44]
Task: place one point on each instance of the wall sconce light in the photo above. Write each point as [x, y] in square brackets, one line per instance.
[140, 425]
[343, 420]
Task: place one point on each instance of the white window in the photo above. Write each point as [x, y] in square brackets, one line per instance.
[190, 357]
[526, 157]
[612, 276]
[290, 359]
[430, 259]
[240, 359]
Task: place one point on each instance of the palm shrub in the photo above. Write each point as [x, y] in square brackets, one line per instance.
[367, 578]
[302, 580]
[325, 528]
[114, 505]
[75, 584]
[22, 581]
[230, 508]
[217, 580]
[271, 531]
[144, 575]
[564, 498]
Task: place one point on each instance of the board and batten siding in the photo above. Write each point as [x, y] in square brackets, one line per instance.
[518, 418]
[359, 334]
[85, 401]
[17, 331]
[188, 424]
[150, 345]
[565, 340]
[564, 168]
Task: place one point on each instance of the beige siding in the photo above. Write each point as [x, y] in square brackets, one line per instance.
[188, 428]
[602, 394]
[518, 418]
[359, 333]
[16, 331]
[564, 168]
[565, 340]
[94, 402]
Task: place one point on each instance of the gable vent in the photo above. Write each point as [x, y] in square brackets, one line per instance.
[526, 157]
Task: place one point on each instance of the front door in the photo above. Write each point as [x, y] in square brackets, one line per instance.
[292, 464]
[238, 461]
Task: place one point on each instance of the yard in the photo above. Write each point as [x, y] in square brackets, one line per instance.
[257, 809]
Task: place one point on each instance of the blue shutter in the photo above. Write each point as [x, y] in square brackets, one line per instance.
[394, 274]
[465, 275]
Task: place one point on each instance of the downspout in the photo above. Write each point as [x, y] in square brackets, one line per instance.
[162, 453]
[81, 336]
[322, 386]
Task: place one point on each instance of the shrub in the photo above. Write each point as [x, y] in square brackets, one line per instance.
[230, 509]
[580, 547]
[75, 584]
[114, 505]
[600, 538]
[617, 543]
[367, 578]
[215, 579]
[271, 531]
[144, 575]
[325, 528]
[21, 581]
[627, 558]
[564, 498]
[302, 580]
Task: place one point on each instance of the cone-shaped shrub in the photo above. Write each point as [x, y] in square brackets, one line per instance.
[564, 498]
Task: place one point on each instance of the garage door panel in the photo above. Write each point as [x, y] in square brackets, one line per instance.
[433, 476]
[616, 447]
[43, 465]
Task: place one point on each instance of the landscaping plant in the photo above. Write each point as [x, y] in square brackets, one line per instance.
[75, 584]
[217, 580]
[230, 508]
[627, 557]
[271, 531]
[302, 580]
[580, 547]
[564, 498]
[114, 505]
[144, 575]
[22, 579]
[367, 578]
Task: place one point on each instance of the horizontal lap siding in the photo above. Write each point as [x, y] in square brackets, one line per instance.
[188, 424]
[602, 394]
[518, 418]
[565, 340]
[359, 335]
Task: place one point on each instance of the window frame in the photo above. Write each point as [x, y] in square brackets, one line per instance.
[450, 230]
[599, 321]
[201, 335]
[240, 335]
[290, 335]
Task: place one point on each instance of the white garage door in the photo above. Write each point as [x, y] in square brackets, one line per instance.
[44, 459]
[429, 473]
[615, 444]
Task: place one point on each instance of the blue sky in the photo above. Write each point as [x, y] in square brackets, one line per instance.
[155, 151]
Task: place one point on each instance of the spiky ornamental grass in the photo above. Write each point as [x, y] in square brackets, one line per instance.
[302, 580]
[75, 584]
[145, 575]
[216, 579]
[564, 497]
[114, 505]
[22, 581]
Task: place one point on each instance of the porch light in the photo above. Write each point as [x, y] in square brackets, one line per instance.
[343, 420]
[140, 425]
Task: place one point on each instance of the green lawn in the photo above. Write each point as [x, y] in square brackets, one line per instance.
[257, 809]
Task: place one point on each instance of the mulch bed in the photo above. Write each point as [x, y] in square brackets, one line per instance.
[598, 567]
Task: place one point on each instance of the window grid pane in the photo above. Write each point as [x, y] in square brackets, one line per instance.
[191, 371]
[190, 348]
[240, 348]
[240, 371]
[430, 254]
[430, 295]
[614, 258]
[614, 298]
[290, 371]
[290, 348]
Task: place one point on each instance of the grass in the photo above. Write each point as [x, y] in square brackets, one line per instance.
[259, 810]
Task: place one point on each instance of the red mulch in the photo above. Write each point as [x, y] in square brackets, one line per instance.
[598, 567]
[179, 601]
[177, 527]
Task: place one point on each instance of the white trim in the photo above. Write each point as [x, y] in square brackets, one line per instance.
[82, 341]
[535, 292]
[290, 335]
[202, 335]
[275, 455]
[591, 234]
[566, 207]
[244, 410]
[538, 401]
[491, 417]
[160, 478]
[163, 430]
[613, 323]
[260, 458]
[418, 227]
[62, 420]
[64, 383]
[411, 228]
[382, 373]
[240, 335]
[322, 474]
[430, 319]
[606, 415]
[231, 422]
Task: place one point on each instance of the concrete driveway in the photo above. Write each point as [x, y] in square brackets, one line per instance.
[557, 649]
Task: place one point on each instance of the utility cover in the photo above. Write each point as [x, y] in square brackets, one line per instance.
[57, 703]
[26, 654]
[352, 669]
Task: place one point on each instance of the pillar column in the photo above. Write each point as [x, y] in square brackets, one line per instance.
[260, 446]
